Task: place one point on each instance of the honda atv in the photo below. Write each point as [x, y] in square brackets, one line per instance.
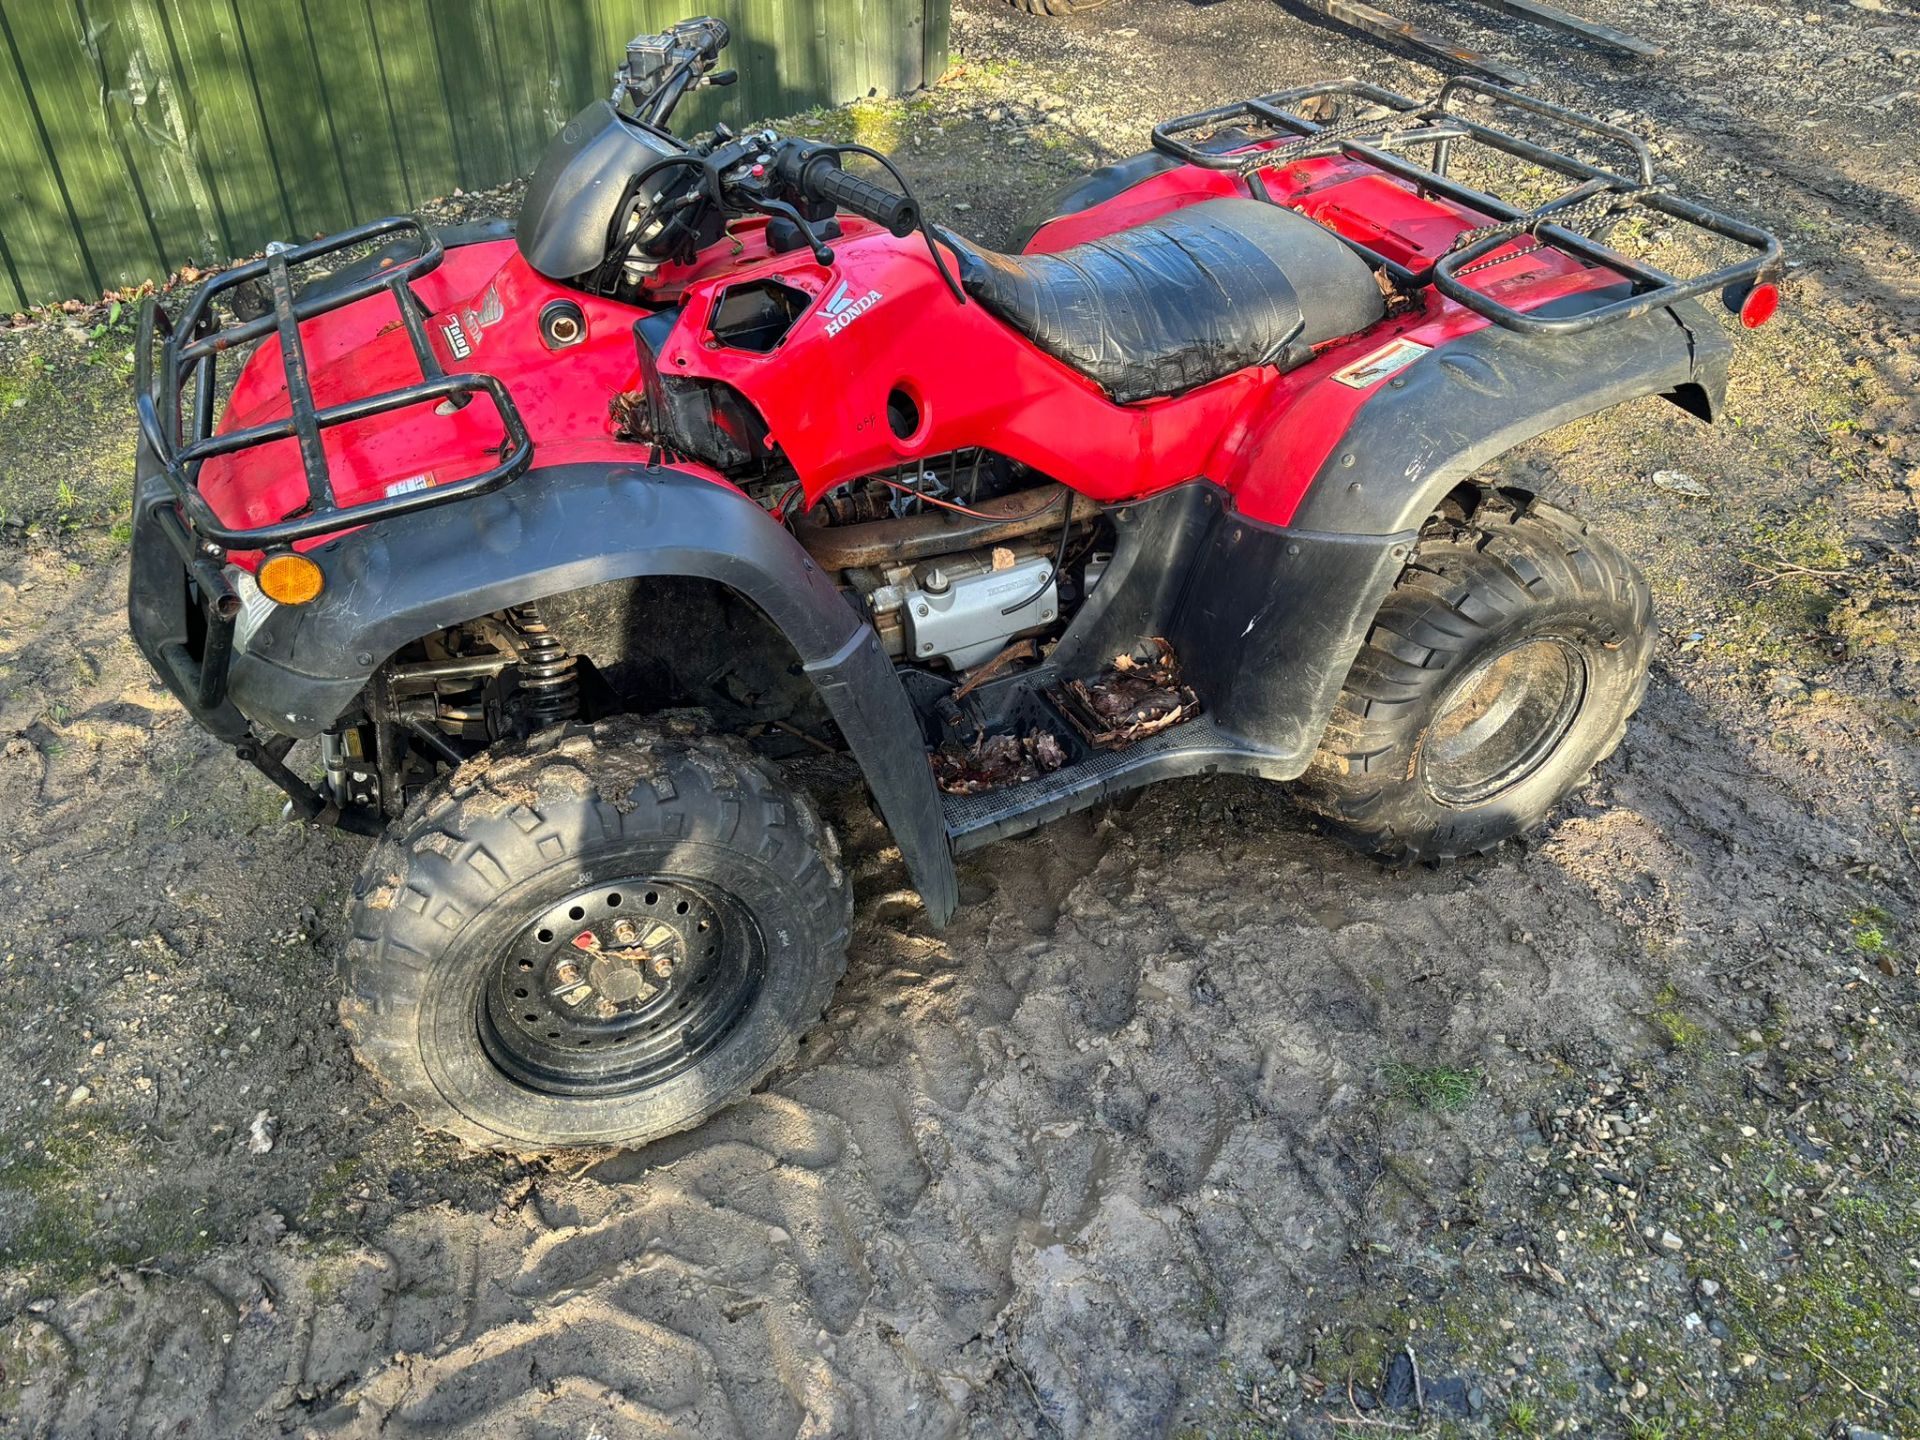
[560, 540]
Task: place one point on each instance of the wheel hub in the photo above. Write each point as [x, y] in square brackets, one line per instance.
[619, 967]
[619, 985]
[1504, 719]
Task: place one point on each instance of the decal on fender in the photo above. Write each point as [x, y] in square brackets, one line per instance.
[843, 307]
[489, 312]
[464, 338]
[1389, 359]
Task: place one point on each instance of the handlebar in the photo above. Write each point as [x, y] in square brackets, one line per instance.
[798, 181]
[821, 178]
[660, 69]
[810, 171]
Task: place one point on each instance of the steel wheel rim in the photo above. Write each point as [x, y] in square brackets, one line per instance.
[1501, 722]
[620, 985]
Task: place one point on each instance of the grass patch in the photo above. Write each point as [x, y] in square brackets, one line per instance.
[1798, 563]
[67, 423]
[52, 1230]
[1872, 932]
[331, 1190]
[1522, 1420]
[1810, 587]
[1432, 1087]
[1682, 1032]
[880, 123]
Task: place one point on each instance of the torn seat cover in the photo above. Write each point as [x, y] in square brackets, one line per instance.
[1182, 300]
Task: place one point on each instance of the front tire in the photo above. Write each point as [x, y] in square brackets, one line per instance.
[1501, 668]
[598, 940]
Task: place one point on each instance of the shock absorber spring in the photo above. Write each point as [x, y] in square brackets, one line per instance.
[548, 674]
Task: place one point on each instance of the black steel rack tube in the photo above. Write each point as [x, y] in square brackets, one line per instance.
[190, 345]
[1654, 287]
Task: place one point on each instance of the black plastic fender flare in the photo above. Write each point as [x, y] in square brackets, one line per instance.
[1458, 407]
[562, 528]
[1268, 619]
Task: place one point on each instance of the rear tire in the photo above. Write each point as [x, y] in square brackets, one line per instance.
[1057, 9]
[598, 940]
[1501, 668]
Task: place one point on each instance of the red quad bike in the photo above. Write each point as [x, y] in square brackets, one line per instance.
[560, 538]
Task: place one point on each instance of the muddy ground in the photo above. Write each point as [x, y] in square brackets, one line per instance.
[1193, 1122]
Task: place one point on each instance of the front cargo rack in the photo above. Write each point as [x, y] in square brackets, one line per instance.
[190, 344]
[1405, 123]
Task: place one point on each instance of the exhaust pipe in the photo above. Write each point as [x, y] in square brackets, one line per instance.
[937, 532]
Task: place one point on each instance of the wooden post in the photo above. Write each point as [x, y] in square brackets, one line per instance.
[1543, 14]
[1391, 27]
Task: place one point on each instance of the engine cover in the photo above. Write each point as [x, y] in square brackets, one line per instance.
[950, 609]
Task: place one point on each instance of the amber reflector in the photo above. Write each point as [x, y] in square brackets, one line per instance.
[290, 579]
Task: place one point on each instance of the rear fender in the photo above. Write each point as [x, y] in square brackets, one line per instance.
[1455, 409]
[1094, 205]
[564, 528]
[1267, 618]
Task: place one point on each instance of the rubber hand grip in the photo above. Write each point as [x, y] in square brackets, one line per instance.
[827, 181]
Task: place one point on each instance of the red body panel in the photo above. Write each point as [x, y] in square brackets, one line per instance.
[823, 390]
[362, 349]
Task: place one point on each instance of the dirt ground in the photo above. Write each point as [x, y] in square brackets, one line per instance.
[1193, 1123]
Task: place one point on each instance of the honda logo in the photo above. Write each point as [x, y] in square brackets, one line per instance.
[843, 307]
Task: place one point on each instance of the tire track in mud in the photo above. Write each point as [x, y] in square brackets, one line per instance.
[1038, 1173]
[1034, 1175]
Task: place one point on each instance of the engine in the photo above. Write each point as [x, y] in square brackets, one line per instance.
[956, 559]
[961, 609]
[953, 560]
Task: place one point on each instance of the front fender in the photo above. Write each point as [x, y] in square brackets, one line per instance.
[571, 526]
[1454, 410]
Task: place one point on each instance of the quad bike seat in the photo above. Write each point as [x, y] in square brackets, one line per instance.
[1182, 300]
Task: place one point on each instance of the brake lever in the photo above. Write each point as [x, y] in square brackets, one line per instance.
[767, 205]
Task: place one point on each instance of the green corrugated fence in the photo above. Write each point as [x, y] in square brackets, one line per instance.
[138, 135]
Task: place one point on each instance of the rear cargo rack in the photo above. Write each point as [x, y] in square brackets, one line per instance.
[190, 344]
[1436, 123]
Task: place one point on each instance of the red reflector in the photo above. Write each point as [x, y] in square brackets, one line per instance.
[1759, 306]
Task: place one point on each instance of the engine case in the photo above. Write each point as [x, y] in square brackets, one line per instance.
[949, 609]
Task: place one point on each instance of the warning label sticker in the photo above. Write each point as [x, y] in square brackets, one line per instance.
[1389, 359]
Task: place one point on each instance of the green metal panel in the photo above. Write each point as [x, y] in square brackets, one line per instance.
[935, 39]
[410, 89]
[140, 135]
[211, 92]
[38, 241]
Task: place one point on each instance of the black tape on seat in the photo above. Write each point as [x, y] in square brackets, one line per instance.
[1183, 300]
